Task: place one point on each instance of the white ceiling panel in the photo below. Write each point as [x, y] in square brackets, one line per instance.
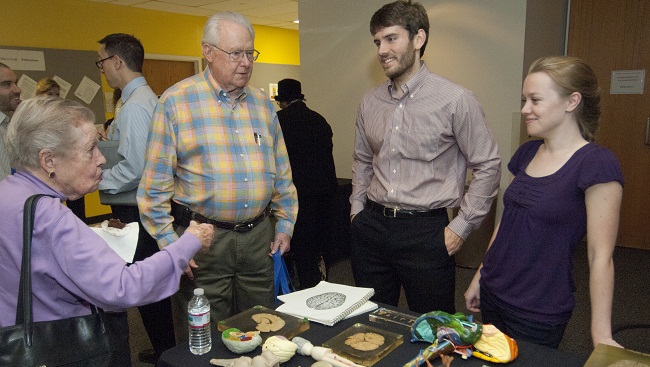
[273, 13]
[173, 8]
[233, 5]
[269, 10]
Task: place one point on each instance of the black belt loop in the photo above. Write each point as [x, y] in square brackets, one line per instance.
[183, 215]
[400, 213]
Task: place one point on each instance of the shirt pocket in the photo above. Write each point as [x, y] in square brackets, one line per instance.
[267, 152]
[421, 145]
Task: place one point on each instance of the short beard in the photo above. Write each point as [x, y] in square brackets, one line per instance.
[405, 62]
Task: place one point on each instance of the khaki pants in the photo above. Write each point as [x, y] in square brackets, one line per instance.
[236, 274]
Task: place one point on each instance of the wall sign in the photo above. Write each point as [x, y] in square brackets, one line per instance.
[23, 59]
[627, 82]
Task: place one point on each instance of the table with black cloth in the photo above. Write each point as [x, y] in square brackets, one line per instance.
[529, 354]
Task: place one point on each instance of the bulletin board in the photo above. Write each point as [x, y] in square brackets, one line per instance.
[69, 65]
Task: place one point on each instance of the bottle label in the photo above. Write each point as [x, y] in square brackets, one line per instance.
[199, 320]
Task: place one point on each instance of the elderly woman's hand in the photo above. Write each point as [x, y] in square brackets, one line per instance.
[204, 232]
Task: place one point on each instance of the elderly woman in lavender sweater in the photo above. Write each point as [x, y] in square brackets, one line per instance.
[52, 145]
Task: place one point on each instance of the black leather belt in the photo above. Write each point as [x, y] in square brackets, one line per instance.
[399, 213]
[183, 215]
[240, 227]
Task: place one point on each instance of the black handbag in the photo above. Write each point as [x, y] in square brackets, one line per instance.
[75, 341]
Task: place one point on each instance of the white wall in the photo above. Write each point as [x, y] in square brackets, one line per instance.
[479, 44]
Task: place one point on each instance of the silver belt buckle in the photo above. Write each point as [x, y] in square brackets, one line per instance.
[242, 227]
[390, 212]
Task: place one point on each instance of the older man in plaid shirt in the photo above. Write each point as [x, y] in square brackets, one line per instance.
[216, 154]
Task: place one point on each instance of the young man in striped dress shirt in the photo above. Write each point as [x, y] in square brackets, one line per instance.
[416, 136]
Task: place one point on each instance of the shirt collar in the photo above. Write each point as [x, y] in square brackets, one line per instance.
[3, 117]
[222, 94]
[413, 85]
[131, 86]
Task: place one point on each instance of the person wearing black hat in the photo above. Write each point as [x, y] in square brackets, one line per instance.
[308, 138]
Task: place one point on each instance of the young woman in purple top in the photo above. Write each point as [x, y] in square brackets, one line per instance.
[564, 186]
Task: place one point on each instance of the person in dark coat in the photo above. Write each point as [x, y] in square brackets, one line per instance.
[308, 138]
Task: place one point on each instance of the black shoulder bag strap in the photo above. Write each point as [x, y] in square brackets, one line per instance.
[24, 311]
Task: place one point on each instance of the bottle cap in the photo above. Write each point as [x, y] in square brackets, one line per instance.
[198, 291]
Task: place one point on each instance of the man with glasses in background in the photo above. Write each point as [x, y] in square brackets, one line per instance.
[120, 60]
[216, 155]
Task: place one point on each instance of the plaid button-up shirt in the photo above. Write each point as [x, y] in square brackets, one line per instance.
[223, 158]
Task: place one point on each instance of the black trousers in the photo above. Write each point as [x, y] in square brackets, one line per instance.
[391, 252]
[312, 235]
[118, 328]
[157, 316]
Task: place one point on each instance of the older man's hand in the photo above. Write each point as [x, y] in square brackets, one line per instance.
[281, 243]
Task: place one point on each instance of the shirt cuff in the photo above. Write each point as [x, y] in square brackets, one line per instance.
[459, 226]
[356, 207]
[284, 226]
[189, 244]
[167, 240]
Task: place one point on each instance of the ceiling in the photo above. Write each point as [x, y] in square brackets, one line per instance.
[272, 13]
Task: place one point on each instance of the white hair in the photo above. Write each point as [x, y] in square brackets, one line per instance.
[44, 122]
[211, 28]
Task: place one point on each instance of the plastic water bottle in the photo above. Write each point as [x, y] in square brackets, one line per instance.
[198, 314]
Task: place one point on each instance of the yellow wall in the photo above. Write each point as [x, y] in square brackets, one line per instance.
[79, 24]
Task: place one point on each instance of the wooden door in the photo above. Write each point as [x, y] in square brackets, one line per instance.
[615, 35]
[162, 74]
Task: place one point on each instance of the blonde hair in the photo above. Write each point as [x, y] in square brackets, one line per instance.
[45, 85]
[571, 74]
